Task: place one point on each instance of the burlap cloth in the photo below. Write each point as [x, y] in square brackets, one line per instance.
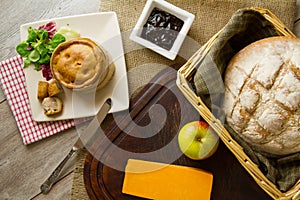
[210, 17]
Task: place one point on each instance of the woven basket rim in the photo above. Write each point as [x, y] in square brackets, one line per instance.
[185, 73]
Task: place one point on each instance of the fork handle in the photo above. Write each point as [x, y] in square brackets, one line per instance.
[47, 185]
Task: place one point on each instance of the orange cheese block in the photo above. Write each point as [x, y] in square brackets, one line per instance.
[163, 181]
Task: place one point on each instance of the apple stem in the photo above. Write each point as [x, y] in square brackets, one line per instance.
[198, 139]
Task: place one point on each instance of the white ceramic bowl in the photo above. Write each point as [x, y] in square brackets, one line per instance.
[185, 16]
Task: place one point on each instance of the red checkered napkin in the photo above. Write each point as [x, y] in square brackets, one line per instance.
[12, 79]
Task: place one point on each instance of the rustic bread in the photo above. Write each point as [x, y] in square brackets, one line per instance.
[79, 64]
[262, 95]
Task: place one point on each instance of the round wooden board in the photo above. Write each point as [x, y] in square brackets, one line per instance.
[103, 170]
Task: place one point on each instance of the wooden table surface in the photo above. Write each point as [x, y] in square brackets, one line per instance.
[24, 168]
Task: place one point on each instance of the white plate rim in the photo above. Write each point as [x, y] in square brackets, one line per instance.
[120, 102]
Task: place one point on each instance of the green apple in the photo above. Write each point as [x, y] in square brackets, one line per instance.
[197, 140]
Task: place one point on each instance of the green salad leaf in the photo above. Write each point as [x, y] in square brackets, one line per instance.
[32, 35]
[38, 47]
[22, 49]
[34, 56]
[56, 40]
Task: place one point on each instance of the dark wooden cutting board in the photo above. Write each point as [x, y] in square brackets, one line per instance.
[169, 111]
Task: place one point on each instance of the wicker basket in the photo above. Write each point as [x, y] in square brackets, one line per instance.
[184, 78]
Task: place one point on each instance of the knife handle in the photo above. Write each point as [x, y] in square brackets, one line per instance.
[47, 185]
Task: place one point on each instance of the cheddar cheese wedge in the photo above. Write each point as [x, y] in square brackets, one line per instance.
[160, 181]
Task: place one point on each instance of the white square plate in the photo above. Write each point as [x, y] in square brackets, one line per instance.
[104, 29]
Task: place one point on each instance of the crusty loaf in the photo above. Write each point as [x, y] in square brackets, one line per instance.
[262, 95]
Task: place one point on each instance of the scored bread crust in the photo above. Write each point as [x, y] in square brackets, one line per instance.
[79, 64]
[262, 95]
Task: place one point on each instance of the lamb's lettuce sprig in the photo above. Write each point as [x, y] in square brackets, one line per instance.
[38, 47]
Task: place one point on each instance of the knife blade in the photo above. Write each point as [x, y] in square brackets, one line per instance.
[87, 134]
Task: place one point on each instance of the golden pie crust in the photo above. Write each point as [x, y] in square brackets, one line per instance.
[79, 64]
[108, 77]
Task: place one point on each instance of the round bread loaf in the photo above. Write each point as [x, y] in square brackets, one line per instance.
[79, 64]
[262, 95]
